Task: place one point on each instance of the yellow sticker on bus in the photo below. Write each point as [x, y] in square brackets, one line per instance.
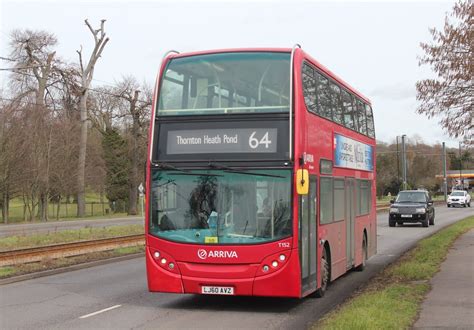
[211, 239]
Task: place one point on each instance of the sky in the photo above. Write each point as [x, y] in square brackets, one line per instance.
[372, 45]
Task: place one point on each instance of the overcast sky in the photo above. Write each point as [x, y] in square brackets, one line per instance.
[372, 45]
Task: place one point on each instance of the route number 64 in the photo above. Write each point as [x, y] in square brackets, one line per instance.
[254, 143]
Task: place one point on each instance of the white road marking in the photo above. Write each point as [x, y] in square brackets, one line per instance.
[101, 311]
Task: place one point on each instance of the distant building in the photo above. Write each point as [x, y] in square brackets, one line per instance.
[457, 179]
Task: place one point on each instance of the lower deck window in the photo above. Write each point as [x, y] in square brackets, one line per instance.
[326, 200]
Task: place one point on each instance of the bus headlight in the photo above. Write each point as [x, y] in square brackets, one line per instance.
[164, 261]
[274, 263]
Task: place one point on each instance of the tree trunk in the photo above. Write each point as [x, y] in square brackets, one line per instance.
[5, 207]
[33, 210]
[87, 72]
[133, 194]
[59, 206]
[43, 206]
[81, 169]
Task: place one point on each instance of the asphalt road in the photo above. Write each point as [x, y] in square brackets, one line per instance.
[45, 227]
[115, 296]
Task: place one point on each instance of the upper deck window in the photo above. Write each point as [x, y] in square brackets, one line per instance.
[325, 98]
[240, 82]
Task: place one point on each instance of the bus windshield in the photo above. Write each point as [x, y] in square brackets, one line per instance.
[220, 206]
[240, 82]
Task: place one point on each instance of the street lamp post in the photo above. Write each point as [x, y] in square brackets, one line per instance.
[460, 167]
[445, 182]
[398, 164]
[404, 163]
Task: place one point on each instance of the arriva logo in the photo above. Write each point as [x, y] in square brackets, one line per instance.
[203, 254]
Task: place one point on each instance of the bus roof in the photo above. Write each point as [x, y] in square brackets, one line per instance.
[279, 50]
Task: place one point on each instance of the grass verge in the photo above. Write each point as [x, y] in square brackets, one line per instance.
[393, 299]
[48, 264]
[67, 236]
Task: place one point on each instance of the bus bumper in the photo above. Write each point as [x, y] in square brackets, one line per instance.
[246, 280]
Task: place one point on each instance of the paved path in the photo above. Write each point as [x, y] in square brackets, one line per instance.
[450, 304]
[45, 227]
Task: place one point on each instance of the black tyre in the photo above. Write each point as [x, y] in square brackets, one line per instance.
[432, 220]
[449, 205]
[400, 223]
[425, 223]
[325, 275]
[361, 267]
[469, 204]
[391, 223]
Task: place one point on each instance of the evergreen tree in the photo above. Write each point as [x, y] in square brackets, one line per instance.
[117, 167]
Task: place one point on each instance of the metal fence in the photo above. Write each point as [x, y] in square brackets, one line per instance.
[69, 210]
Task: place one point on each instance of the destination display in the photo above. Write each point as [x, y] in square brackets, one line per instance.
[231, 140]
[220, 139]
[353, 154]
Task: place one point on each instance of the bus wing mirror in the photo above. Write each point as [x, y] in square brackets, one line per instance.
[302, 182]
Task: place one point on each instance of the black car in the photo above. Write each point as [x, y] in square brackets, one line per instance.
[412, 206]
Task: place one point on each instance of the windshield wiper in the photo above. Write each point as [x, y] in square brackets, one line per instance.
[228, 169]
[166, 166]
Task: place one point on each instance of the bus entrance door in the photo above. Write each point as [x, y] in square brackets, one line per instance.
[308, 238]
[350, 219]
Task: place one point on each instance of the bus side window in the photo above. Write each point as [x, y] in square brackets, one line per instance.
[309, 88]
[323, 97]
[362, 118]
[337, 108]
[364, 197]
[326, 200]
[370, 121]
[348, 110]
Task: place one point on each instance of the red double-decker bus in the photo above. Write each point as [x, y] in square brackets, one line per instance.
[260, 176]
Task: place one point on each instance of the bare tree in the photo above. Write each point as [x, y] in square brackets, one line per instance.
[36, 72]
[105, 108]
[136, 108]
[11, 154]
[451, 55]
[87, 73]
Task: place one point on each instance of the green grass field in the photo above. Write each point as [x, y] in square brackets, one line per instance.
[68, 211]
[66, 236]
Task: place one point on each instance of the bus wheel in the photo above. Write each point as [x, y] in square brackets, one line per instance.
[361, 267]
[324, 275]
